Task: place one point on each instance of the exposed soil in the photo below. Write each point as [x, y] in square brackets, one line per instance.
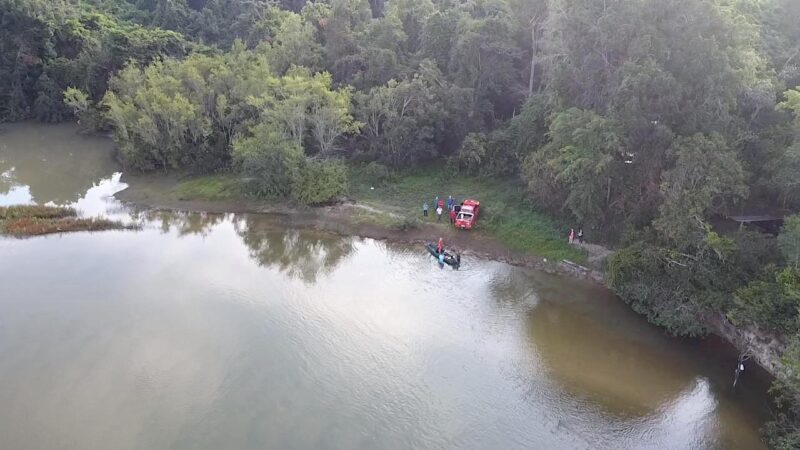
[347, 219]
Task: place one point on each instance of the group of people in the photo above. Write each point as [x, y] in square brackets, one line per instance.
[576, 238]
[439, 205]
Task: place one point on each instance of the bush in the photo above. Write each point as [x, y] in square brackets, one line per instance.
[377, 174]
[485, 155]
[319, 182]
[269, 162]
[471, 156]
[645, 278]
[771, 303]
[494, 213]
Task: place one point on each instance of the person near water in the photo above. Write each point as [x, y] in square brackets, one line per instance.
[439, 213]
[425, 209]
[571, 235]
[453, 215]
[440, 246]
[580, 236]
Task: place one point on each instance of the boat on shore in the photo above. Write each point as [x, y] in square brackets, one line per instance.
[449, 258]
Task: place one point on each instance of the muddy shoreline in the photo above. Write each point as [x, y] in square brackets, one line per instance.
[340, 219]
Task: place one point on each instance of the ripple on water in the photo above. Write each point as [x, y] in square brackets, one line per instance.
[228, 331]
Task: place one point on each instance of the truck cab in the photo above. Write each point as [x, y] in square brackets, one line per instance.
[468, 214]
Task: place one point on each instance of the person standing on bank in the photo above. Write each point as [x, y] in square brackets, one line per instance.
[439, 213]
[425, 209]
[580, 236]
[572, 235]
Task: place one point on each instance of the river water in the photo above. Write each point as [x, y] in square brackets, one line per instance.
[234, 331]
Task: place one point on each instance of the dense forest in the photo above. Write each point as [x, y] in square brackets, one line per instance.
[646, 121]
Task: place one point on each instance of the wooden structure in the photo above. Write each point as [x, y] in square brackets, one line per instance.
[768, 222]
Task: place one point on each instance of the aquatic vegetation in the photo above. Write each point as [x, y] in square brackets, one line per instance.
[21, 221]
[35, 212]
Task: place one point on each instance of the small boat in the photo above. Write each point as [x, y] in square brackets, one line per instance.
[449, 259]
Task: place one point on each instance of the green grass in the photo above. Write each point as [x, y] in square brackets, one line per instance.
[505, 214]
[208, 187]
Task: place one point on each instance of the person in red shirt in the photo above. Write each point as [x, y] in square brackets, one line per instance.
[440, 246]
[453, 216]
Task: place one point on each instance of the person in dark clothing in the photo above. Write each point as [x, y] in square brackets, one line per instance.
[580, 236]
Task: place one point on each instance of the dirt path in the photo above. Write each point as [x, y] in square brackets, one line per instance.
[598, 254]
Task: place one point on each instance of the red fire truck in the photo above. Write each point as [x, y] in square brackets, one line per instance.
[468, 214]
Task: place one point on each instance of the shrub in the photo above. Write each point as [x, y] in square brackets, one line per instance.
[771, 302]
[377, 174]
[269, 162]
[471, 156]
[319, 182]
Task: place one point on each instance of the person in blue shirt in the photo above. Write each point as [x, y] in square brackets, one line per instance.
[450, 203]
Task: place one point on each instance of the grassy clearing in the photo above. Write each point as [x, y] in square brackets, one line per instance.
[23, 221]
[505, 215]
[210, 187]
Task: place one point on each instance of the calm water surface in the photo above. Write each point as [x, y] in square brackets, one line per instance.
[233, 331]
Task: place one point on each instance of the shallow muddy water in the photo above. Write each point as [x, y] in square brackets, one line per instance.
[232, 331]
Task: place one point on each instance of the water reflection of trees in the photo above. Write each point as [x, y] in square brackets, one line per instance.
[299, 253]
[304, 254]
[184, 223]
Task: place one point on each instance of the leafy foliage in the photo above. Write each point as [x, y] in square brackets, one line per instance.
[789, 241]
[185, 114]
[46, 47]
